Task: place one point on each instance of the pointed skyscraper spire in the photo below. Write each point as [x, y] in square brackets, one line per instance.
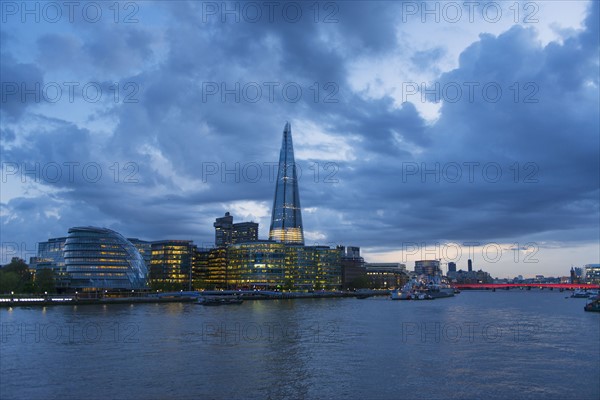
[286, 220]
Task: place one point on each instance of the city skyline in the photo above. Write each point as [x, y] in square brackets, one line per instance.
[174, 143]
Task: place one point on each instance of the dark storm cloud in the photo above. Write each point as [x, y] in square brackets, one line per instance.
[554, 141]
[59, 141]
[16, 75]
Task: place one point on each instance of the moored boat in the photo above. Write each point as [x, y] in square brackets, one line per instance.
[420, 290]
[594, 305]
[439, 291]
[580, 294]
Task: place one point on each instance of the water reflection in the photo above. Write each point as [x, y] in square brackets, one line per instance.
[478, 344]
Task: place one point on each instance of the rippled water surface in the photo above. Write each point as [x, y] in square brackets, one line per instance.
[505, 344]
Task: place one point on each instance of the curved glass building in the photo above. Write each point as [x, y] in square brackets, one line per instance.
[100, 258]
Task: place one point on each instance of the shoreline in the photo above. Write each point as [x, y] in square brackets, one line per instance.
[38, 301]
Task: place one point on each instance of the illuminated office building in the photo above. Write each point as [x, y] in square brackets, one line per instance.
[100, 258]
[286, 219]
[300, 267]
[217, 268]
[256, 265]
[386, 275]
[328, 268]
[200, 269]
[273, 265]
[171, 263]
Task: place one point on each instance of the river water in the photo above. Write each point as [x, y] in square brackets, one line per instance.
[505, 345]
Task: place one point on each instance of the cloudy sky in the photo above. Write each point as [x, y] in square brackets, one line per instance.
[422, 130]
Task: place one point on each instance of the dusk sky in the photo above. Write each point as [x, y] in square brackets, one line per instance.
[422, 130]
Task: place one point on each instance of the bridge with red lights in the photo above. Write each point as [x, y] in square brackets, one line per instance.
[568, 286]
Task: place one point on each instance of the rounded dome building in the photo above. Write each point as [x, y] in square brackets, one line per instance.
[100, 258]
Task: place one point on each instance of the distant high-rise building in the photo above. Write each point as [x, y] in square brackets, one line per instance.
[470, 265]
[451, 267]
[244, 232]
[286, 220]
[226, 232]
[353, 266]
[353, 252]
[428, 267]
[223, 227]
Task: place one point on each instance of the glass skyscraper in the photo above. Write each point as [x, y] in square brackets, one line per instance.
[286, 220]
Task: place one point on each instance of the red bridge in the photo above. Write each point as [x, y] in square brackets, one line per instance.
[525, 285]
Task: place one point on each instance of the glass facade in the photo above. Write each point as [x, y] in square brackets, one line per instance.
[286, 219]
[256, 265]
[244, 232]
[328, 268]
[217, 267]
[300, 267]
[99, 258]
[172, 262]
[274, 265]
[200, 269]
[145, 249]
[50, 255]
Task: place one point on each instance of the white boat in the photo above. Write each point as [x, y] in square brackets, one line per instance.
[580, 294]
